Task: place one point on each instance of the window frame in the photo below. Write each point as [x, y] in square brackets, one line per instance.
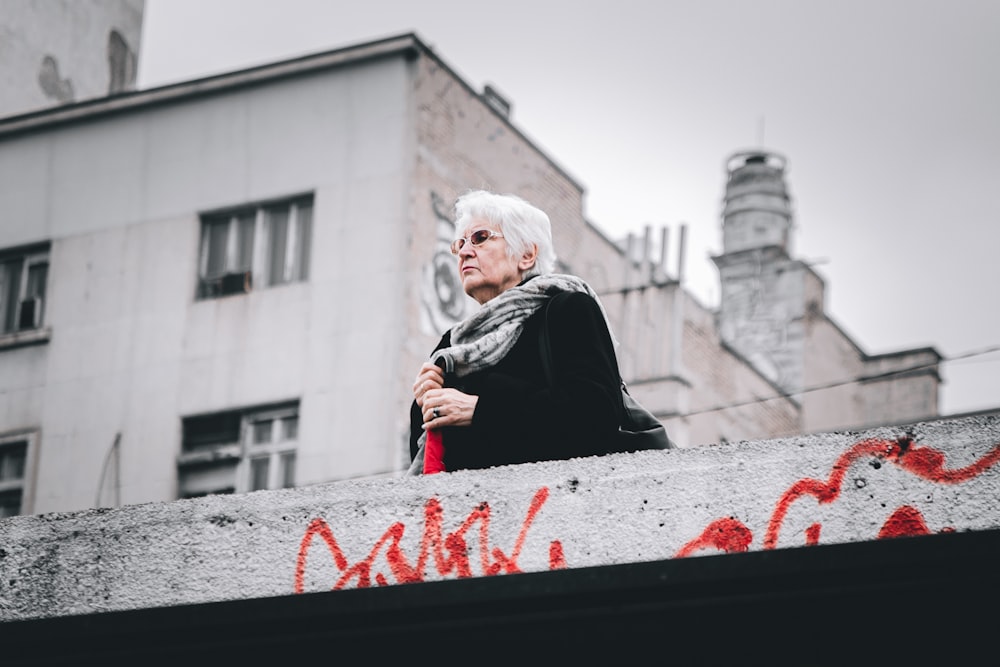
[25, 484]
[30, 256]
[234, 277]
[278, 451]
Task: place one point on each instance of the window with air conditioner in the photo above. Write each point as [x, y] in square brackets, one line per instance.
[23, 274]
[238, 451]
[255, 246]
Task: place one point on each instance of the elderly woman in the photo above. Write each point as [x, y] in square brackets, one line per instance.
[485, 390]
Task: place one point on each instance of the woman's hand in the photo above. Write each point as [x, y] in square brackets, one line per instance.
[430, 377]
[448, 407]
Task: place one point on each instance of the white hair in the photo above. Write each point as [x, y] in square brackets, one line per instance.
[520, 223]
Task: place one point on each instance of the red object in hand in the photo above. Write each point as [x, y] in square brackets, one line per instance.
[434, 444]
[433, 452]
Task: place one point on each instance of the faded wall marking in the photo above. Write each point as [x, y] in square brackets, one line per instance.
[51, 81]
[444, 302]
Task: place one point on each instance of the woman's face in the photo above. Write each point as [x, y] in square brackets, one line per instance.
[486, 269]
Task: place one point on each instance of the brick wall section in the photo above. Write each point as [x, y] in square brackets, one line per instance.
[831, 359]
[463, 143]
[834, 367]
[908, 395]
[720, 377]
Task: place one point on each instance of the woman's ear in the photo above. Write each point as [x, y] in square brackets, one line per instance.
[528, 258]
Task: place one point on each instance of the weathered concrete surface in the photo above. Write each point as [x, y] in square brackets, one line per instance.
[820, 489]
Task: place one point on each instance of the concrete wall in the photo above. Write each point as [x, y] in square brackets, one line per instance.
[56, 52]
[761, 311]
[906, 388]
[909, 391]
[831, 359]
[729, 400]
[748, 496]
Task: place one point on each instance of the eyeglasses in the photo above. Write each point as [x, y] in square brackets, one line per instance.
[478, 237]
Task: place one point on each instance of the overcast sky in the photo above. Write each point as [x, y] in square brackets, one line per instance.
[888, 112]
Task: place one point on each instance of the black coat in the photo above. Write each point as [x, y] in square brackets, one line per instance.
[518, 417]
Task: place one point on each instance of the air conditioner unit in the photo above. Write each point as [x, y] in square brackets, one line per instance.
[29, 314]
[229, 283]
[236, 283]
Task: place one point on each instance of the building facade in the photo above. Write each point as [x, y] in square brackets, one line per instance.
[772, 312]
[228, 284]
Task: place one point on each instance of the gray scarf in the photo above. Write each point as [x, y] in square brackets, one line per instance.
[483, 339]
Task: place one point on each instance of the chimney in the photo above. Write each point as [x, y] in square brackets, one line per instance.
[499, 103]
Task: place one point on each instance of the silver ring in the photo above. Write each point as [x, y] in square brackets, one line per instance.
[436, 412]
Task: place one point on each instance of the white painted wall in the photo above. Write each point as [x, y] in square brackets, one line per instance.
[132, 351]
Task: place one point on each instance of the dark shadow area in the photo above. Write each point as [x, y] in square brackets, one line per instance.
[915, 600]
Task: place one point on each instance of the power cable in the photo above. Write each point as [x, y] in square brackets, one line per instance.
[855, 380]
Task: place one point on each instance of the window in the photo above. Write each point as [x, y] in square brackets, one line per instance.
[13, 457]
[260, 245]
[239, 451]
[22, 288]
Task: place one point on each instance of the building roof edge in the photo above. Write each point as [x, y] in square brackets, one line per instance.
[173, 92]
[399, 44]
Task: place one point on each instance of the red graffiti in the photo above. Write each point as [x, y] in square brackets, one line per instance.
[557, 561]
[731, 536]
[906, 520]
[433, 544]
[727, 535]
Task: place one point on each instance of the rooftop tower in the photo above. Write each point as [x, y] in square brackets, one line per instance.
[757, 210]
[763, 295]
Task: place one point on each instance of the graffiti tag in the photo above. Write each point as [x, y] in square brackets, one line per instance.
[449, 553]
[732, 536]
